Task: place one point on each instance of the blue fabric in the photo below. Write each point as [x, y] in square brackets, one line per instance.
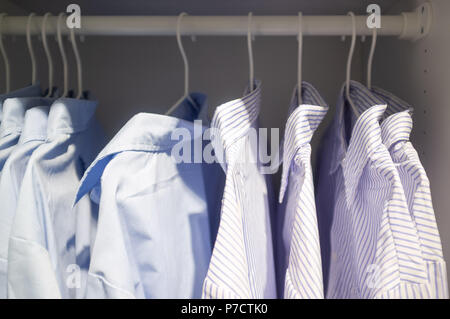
[29, 91]
[33, 135]
[154, 237]
[48, 237]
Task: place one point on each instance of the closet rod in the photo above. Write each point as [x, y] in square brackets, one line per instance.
[417, 25]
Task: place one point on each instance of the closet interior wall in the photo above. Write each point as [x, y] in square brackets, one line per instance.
[145, 74]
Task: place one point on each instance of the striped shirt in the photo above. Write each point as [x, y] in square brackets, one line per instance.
[375, 248]
[302, 265]
[242, 264]
[396, 130]
[331, 152]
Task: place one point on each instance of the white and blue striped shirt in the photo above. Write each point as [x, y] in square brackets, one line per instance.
[301, 264]
[396, 130]
[375, 247]
[242, 264]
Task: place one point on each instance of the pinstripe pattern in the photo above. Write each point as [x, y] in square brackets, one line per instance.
[303, 276]
[376, 249]
[376, 242]
[396, 130]
[328, 175]
[242, 260]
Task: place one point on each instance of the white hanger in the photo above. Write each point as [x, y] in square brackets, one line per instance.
[349, 64]
[30, 50]
[369, 62]
[47, 54]
[186, 68]
[78, 61]
[5, 56]
[299, 62]
[63, 54]
[250, 51]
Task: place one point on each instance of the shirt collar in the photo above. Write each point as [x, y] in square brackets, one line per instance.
[14, 111]
[394, 104]
[35, 124]
[344, 119]
[398, 124]
[69, 116]
[232, 120]
[397, 127]
[147, 132]
[365, 139]
[32, 90]
[300, 127]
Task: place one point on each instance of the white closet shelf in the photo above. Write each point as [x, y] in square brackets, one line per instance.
[409, 25]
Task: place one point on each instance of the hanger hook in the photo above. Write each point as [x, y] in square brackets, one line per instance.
[250, 50]
[186, 68]
[30, 49]
[183, 54]
[63, 54]
[299, 62]
[78, 61]
[349, 64]
[370, 60]
[5, 56]
[47, 53]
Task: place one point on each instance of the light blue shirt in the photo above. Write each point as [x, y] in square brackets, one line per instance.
[242, 262]
[153, 237]
[299, 255]
[33, 134]
[29, 91]
[12, 124]
[49, 237]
